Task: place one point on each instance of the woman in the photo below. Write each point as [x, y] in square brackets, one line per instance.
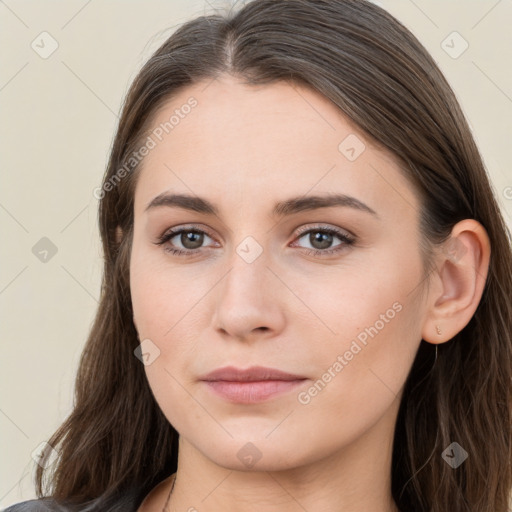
[306, 294]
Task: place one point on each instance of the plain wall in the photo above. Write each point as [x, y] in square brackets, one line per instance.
[58, 116]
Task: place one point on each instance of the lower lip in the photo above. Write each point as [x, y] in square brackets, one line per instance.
[252, 392]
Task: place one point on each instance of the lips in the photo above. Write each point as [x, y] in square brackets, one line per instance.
[255, 373]
[251, 385]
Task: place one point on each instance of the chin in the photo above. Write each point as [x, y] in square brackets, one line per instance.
[255, 452]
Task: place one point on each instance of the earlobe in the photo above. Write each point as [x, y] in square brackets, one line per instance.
[462, 265]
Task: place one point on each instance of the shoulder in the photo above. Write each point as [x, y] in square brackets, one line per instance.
[41, 505]
[125, 503]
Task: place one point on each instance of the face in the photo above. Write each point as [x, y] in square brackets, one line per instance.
[252, 271]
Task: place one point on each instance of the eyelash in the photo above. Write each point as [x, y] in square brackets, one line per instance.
[347, 240]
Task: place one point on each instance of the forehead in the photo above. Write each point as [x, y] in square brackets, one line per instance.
[260, 141]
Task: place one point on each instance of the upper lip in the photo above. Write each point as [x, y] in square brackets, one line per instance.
[254, 373]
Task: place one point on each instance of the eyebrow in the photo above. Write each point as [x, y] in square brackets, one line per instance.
[281, 209]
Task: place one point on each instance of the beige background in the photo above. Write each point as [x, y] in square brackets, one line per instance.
[57, 123]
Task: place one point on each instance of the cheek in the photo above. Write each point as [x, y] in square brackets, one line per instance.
[149, 302]
[159, 295]
[363, 336]
[161, 311]
[360, 372]
[171, 307]
[337, 306]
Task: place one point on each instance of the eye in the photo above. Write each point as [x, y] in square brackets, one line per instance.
[187, 241]
[321, 239]
[191, 240]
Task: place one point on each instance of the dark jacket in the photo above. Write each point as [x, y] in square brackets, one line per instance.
[129, 502]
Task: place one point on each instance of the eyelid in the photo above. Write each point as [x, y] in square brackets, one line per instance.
[186, 227]
[326, 227]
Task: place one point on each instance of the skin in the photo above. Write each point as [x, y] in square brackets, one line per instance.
[244, 148]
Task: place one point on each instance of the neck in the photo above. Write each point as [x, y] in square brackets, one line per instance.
[357, 477]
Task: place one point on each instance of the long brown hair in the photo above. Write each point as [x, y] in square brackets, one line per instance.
[381, 77]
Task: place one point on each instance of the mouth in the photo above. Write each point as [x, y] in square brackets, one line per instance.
[251, 385]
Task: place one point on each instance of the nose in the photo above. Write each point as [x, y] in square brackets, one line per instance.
[249, 301]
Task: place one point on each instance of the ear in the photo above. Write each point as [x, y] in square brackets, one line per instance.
[458, 284]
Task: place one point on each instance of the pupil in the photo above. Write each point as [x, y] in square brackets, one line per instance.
[192, 237]
[324, 239]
